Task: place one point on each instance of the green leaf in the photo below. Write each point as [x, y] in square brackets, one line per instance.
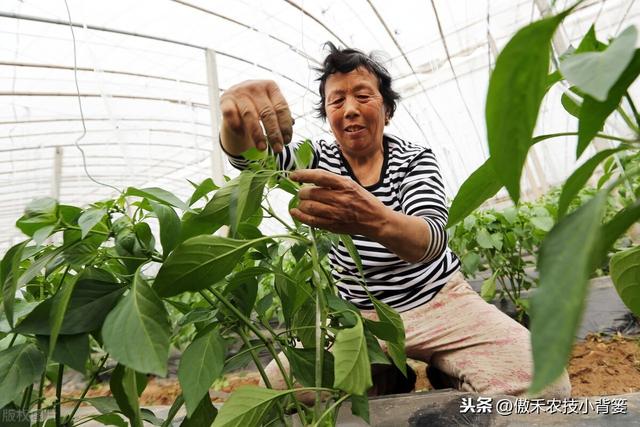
[202, 189]
[58, 308]
[488, 289]
[360, 407]
[303, 366]
[20, 366]
[204, 414]
[590, 43]
[565, 263]
[110, 420]
[480, 186]
[352, 371]
[79, 252]
[544, 223]
[70, 350]
[376, 355]
[198, 263]
[353, 252]
[470, 262]
[93, 297]
[516, 88]
[579, 178]
[254, 154]
[216, 212]
[304, 155]
[247, 406]
[21, 309]
[570, 105]
[41, 235]
[145, 345]
[170, 227]
[9, 272]
[201, 363]
[595, 73]
[239, 201]
[89, 219]
[125, 386]
[38, 214]
[594, 113]
[484, 239]
[395, 343]
[158, 195]
[104, 404]
[625, 274]
[613, 229]
[148, 416]
[144, 236]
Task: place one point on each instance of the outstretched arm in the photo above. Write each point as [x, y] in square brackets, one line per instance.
[340, 205]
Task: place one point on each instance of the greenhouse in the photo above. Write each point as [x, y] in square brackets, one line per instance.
[289, 212]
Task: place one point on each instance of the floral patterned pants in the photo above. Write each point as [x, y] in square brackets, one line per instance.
[480, 349]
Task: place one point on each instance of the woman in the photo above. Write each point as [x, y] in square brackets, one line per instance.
[388, 194]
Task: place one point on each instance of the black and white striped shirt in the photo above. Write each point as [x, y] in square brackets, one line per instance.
[410, 182]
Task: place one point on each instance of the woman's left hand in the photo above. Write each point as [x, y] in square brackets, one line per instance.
[338, 204]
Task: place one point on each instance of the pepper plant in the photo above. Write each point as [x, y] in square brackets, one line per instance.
[93, 284]
[597, 78]
[502, 242]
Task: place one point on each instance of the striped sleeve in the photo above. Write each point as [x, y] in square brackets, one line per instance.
[285, 160]
[422, 194]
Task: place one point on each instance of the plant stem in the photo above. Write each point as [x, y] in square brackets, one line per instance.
[319, 324]
[599, 135]
[13, 340]
[332, 407]
[40, 393]
[104, 233]
[271, 212]
[59, 392]
[263, 374]
[26, 398]
[255, 358]
[627, 120]
[173, 410]
[87, 387]
[633, 108]
[240, 316]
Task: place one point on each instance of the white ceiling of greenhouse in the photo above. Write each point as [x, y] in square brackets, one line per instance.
[142, 77]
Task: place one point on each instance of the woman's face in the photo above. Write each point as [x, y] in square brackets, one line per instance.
[355, 110]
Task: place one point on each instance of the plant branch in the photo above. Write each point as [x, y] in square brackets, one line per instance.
[40, 393]
[88, 386]
[239, 315]
[59, 392]
[255, 358]
[331, 408]
[273, 214]
[627, 119]
[633, 108]
[599, 135]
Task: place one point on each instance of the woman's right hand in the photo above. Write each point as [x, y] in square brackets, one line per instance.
[247, 104]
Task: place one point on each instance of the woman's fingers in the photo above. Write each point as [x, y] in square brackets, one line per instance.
[285, 120]
[321, 178]
[253, 108]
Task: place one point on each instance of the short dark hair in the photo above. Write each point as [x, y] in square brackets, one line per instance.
[344, 60]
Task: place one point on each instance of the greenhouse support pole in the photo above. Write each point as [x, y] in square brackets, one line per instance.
[217, 161]
[57, 173]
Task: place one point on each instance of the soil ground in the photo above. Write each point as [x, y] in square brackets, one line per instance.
[599, 366]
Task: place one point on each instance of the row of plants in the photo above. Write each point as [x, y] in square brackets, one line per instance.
[99, 283]
[501, 246]
[597, 78]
